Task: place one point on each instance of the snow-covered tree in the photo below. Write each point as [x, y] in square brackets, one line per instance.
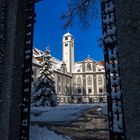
[44, 93]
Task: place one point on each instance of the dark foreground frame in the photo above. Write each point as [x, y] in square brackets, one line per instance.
[16, 42]
[16, 39]
[112, 70]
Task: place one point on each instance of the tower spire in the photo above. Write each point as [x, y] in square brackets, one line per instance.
[48, 47]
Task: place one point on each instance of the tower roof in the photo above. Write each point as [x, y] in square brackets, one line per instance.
[67, 34]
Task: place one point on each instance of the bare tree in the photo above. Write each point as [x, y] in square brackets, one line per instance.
[84, 10]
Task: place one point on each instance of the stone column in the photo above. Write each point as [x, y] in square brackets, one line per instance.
[12, 45]
[128, 25]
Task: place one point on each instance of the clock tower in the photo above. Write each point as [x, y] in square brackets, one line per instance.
[68, 51]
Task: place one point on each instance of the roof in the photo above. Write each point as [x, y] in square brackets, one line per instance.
[86, 59]
[37, 52]
[67, 34]
[38, 58]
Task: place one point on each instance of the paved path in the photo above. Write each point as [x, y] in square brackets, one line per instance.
[90, 126]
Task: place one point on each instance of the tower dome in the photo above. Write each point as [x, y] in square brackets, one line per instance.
[67, 34]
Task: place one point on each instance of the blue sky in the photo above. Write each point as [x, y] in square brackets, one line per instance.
[49, 30]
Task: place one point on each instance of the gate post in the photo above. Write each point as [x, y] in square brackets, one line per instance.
[16, 40]
[112, 68]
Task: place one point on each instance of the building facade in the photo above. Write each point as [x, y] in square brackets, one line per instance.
[75, 82]
[88, 81]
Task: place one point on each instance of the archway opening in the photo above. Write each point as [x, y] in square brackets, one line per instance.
[79, 76]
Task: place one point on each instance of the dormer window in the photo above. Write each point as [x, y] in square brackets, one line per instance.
[88, 66]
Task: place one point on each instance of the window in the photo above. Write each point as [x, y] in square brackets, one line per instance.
[79, 90]
[35, 72]
[79, 100]
[78, 70]
[88, 66]
[64, 79]
[68, 90]
[90, 100]
[66, 44]
[65, 89]
[99, 80]
[89, 80]
[59, 89]
[68, 80]
[100, 90]
[101, 99]
[78, 80]
[89, 90]
[66, 38]
[59, 79]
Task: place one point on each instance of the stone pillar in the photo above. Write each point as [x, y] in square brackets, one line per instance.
[128, 25]
[12, 47]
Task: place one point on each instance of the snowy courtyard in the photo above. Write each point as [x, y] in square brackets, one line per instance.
[63, 115]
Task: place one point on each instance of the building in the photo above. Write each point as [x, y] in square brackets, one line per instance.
[76, 82]
[88, 81]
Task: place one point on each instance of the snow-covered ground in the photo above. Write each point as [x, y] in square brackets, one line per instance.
[38, 133]
[59, 114]
[104, 109]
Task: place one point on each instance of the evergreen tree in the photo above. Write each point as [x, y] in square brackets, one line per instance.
[44, 93]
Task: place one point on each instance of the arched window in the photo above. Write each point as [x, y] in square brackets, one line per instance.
[89, 80]
[79, 80]
[88, 66]
[99, 80]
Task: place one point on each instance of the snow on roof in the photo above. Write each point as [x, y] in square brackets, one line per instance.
[55, 60]
[77, 66]
[87, 58]
[38, 56]
[67, 34]
[37, 52]
[35, 61]
[56, 63]
[56, 66]
[100, 67]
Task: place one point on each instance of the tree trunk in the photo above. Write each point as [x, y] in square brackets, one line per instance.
[128, 25]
